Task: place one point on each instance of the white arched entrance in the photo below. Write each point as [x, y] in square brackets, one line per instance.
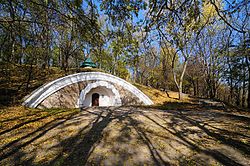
[108, 94]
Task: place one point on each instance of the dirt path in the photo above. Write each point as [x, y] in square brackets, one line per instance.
[194, 135]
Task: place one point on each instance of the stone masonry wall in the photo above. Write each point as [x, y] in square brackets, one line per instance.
[68, 96]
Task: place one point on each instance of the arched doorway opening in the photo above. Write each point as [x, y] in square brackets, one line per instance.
[108, 95]
[95, 99]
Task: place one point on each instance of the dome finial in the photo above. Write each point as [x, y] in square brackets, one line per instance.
[88, 63]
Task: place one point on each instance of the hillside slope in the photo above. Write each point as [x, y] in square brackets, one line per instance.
[160, 97]
[17, 81]
[20, 80]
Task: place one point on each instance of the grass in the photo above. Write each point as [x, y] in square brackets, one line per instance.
[160, 97]
[123, 136]
[19, 118]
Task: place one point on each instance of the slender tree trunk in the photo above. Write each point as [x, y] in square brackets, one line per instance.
[194, 87]
[230, 97]
[47, 56]
[243, 85]
[179, 84]
[29, 77]
[13, 49]
[197, 88]
[237, 102]
[12, 33]
[181, 79]
[248, 96]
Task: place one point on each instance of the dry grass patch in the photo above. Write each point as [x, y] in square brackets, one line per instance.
[160, 97]
[17, 123]
[190, 135]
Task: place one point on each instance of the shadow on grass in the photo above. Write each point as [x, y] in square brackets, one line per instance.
[27, 122]
[213, 153]
[172, 119]
[12, 147]
[83, 142]
[197, 105]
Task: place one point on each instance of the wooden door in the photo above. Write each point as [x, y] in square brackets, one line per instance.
[95, 99]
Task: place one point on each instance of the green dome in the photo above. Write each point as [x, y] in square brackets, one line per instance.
[88, 63]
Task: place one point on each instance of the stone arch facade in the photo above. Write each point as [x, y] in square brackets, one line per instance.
[53, 90]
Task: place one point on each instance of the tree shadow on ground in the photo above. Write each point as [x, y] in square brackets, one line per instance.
[134, 128]
[85, 142]
[222, 158]
[14, 146]
[19, 125]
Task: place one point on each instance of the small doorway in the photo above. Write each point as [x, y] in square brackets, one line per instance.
[95, 99]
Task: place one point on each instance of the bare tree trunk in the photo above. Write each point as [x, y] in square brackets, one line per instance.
[12, 33]
[181, 79]
[243, 86]
[194, 87]
[248, 96]
[179, 84]
[237, 102]
[197, 88]
[230, 97]
[29, 77]
[47, 56]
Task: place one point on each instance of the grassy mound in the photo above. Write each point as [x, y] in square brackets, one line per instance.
[17, 81]
[160, 97]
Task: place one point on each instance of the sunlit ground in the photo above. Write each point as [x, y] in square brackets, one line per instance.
[191, 134]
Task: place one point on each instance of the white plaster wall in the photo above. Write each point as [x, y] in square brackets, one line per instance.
[106, 97]
[110, 94]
